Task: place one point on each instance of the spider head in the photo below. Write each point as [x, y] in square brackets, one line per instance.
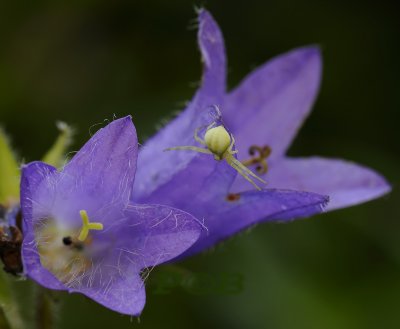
[217, 141]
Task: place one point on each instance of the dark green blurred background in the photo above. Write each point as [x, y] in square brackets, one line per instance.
[84, 61]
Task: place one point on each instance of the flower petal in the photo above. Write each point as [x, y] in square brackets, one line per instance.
[105, 166]
[345, 182]
[145, 236]
[211, 43]
[270, 105]
[237, 212]
[154, 234]
[202, 179]
[125, 295]
[33, 175]
[156, 167]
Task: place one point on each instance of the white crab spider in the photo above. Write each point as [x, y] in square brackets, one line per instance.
[219, 143]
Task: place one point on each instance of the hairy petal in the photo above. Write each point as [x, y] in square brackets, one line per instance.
[345, 182]
[33, 204]
[124, 294]
[153, 234]
[237, 212]
[211, 43]
[106, 164]
[156, 167]
[99, 177]
[270, 105]
[145, 236]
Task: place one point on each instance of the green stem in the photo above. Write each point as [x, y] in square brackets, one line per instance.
[9, 308]
[45, 309]
[4, 324]
[13, 318]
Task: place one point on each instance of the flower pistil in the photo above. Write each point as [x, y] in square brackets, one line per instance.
[259, 157]
[87, 226]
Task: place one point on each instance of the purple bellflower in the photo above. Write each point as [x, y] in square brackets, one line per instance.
[82, 234]
[263, 115]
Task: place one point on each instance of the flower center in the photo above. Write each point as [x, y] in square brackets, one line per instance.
[259, 156]
[65, 252]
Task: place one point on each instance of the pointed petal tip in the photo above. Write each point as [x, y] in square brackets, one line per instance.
[374, 187]
[122, 122]
[307, 53]
[347, 183]
[126, 296]
[381, 185]
[120, 126]
[115, 125]
[34, 166]
[369, 185]
[203, 14]
[29, 164]
[208, 27]
[386, 187]
[25, 167]
[212, 48]
[315, 204]
[312, 50]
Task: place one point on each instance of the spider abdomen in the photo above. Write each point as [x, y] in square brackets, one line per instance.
[217, 140]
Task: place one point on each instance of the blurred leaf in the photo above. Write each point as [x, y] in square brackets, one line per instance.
[9, 312]
[56, 155]
[4, 291]
[9, 171]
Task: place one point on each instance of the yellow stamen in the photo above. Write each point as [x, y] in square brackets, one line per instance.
[86, 226]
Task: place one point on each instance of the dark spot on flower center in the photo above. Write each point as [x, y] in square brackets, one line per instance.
[233, 197]
[67, 240]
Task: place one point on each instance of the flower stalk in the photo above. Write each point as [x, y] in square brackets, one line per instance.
[46, 309]
[10, 317]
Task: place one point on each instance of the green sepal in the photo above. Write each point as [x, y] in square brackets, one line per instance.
[9, 172]
[56, 155]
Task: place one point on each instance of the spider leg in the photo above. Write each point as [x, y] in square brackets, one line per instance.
[211, 125]
[243, 174]
[197, 137]
[246, 170]
[231, 145]
[196, 133]
[189, 148]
